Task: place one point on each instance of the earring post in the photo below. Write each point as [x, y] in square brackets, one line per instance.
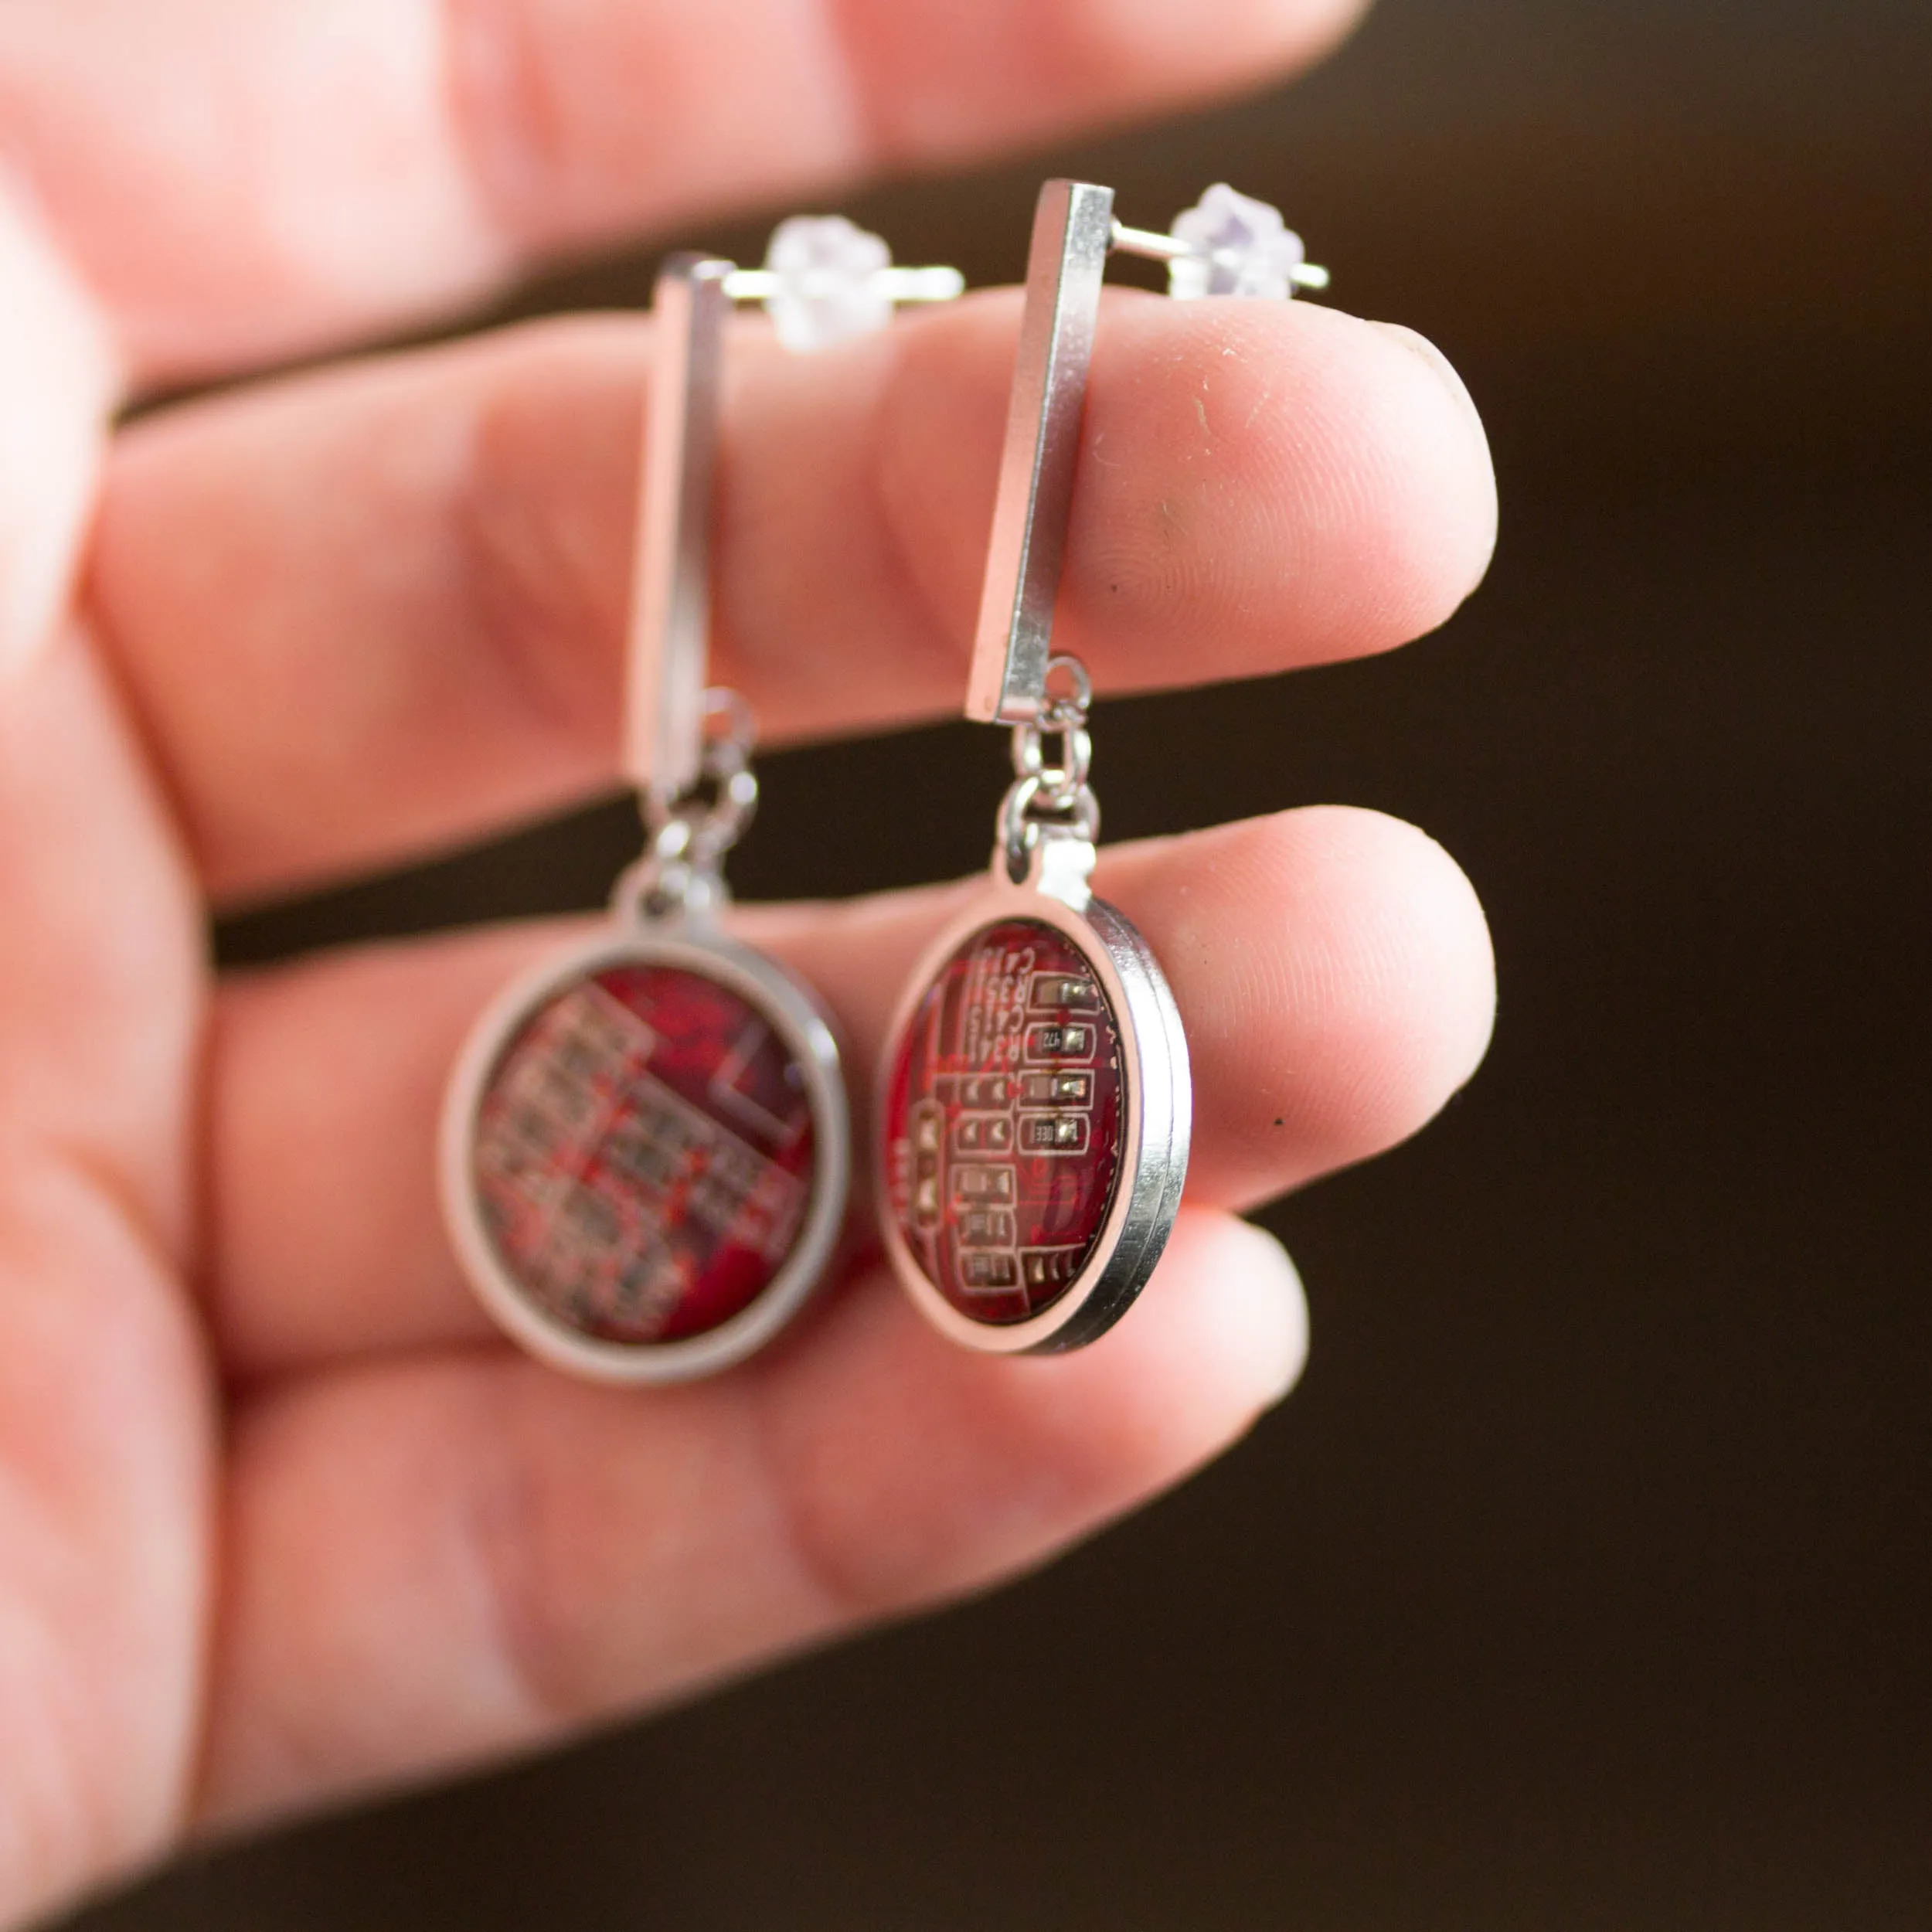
[1149, 247]
[897, 285]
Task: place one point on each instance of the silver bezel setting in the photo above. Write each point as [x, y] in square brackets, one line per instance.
[797, 1020]
[1156, 1122]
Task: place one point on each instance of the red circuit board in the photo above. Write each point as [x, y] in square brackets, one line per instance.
[643, 1155]
[1003, 1123]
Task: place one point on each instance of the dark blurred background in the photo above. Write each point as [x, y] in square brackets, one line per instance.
[1587, 1582]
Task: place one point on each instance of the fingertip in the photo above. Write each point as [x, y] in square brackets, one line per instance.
[952, 1470]
[1249, 1311]
[1190, 49]
[1220, 1336]
[1336, 975]
[1407, 967]
[1480, 522]
[1454, 953]
[938, 82]
[1376, 436]
[1408, 918]
[1293, 483]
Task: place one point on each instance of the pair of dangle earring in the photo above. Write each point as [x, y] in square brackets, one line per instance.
[645, 1147]
[645, 1154]
[1035, 1107]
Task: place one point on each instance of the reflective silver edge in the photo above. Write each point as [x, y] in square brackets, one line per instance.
[795, 1016]
[670, 606]
[1072, 231]
[1156, 1137]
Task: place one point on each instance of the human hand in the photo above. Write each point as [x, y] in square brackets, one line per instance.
[280, 1519]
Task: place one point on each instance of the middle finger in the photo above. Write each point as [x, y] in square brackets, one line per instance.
[373, 611]
[1331, 967]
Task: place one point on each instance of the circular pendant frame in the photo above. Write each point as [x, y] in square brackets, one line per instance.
[799, 1023]
[1156, 1126]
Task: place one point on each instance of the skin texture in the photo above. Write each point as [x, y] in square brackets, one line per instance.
[281, 1520]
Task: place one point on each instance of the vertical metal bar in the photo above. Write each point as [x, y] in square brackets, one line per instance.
[1072, 230]
[670, 608]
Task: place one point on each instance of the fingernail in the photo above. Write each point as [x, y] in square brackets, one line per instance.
[1444, 370]
[1420, 347]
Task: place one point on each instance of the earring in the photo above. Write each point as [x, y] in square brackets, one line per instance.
[645, 1146]
[1035, 1106]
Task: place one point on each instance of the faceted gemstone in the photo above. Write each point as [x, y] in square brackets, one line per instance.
[1242, 247]
[829, 271]
[644, 1156]
[1004, 1121]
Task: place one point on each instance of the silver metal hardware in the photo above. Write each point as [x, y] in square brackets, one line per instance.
[794, 1016]
[1149, 247]
[969, 1038]
[567, 1159]
[666, 739]
[1074, 230]
[899, 286]
[671, 613]
[1052, 803]
[1157, 1109]
[680, 875]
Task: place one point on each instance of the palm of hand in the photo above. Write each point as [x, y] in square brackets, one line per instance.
[278, 1517]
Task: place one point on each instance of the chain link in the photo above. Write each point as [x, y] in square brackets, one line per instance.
[688, 836]
[1052, 799]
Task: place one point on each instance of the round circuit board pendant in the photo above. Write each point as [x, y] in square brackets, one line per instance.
[643, 1157]
[1033, 1123]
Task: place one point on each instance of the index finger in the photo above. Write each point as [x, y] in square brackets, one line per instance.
[364, 613]
[308, 172]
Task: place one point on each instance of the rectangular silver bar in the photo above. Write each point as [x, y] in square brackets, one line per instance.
[1072, 230]
[671, 607]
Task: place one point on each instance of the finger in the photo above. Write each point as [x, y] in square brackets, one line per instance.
[308, 171]
[1331, 967]
[376, 610]
[102, 946]
[431, 1562]
[106, 1490]
[105, 1459]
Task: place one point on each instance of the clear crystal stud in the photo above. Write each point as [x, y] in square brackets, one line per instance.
[1237, 247]
[831, 276]
[1227, 244]
[825, 280]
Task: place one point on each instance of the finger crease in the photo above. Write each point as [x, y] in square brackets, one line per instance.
[530, 609]
[813, 1553]
[928, 621]
[508, 132]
